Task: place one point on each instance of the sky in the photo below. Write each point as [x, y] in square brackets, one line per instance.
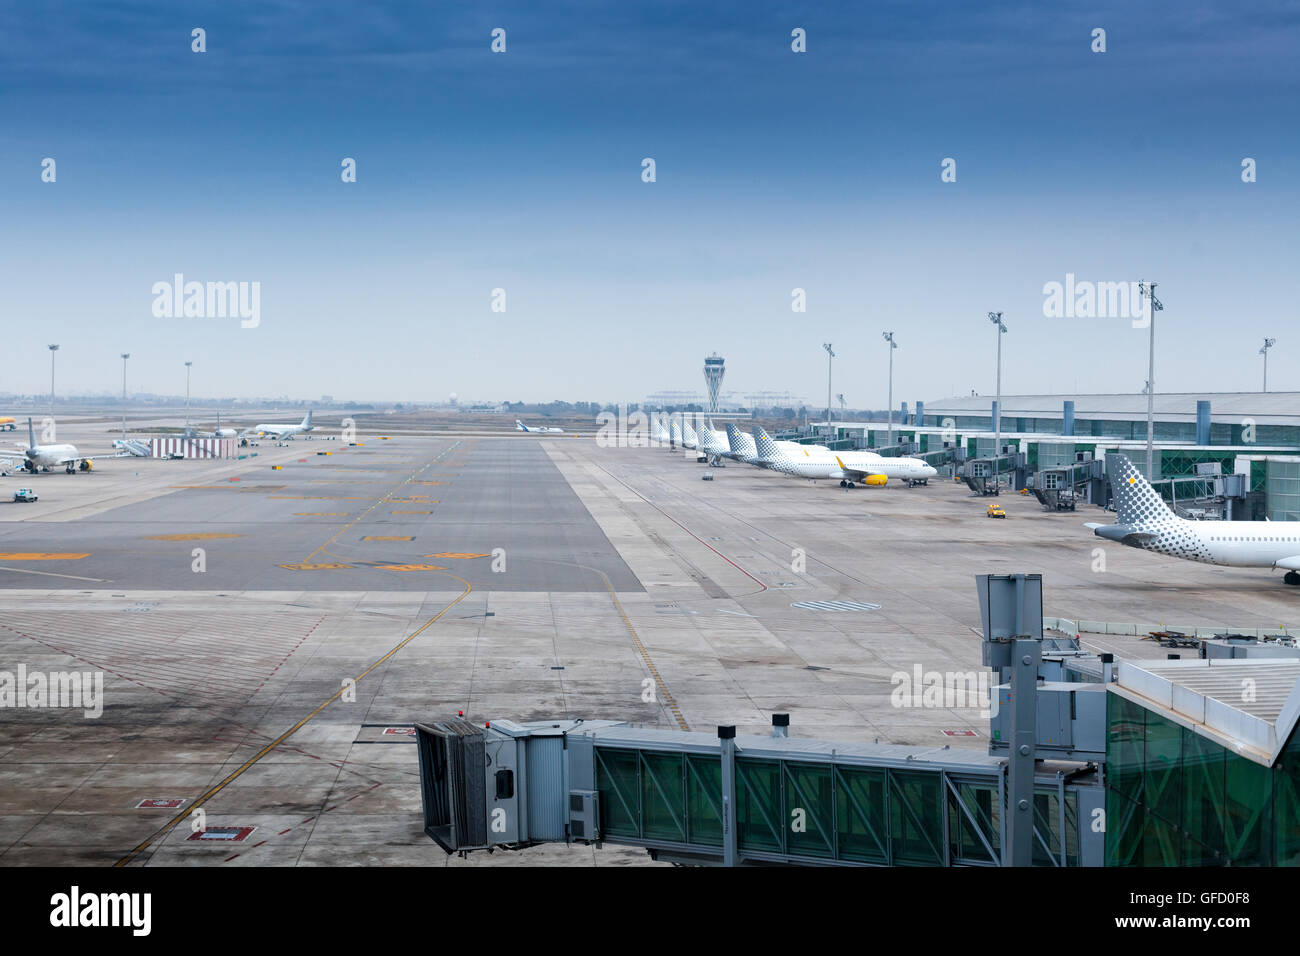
[522, 171]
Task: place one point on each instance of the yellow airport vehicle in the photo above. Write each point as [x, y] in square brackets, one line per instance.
[996, 511]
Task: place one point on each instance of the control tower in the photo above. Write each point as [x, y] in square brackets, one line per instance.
[713, 372]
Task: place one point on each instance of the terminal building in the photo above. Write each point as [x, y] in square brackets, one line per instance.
[1230, 455]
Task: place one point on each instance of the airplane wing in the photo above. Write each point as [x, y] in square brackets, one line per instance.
[854, 474]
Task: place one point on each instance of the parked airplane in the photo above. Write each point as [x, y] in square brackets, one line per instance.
[689, 438]
[713, 443]
[134, 447]
[218, 432]
[8, 424]
[850, 467]
[44, 457]
[658, 434]
[1146, 522]
[740, 446]
[281, 432]
[521, 427]
[794, 448]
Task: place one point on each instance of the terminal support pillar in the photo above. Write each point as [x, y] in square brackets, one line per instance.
[727, 746]
[1026, 656]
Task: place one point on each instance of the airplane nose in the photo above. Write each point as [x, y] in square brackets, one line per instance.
[931, 471]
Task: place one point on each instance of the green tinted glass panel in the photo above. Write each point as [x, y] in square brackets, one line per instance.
[759, 817]
[1162, 788]
[1160, 843]
[703, 800]
[860, 815]
[1125, 728]
[1123, 830]
[1047, 830]
[663, 797]
[916, 818]
[981, 803]
[808, 789]
[616, 782]
[1203, 801]
[1248, 810]
[1286, 804]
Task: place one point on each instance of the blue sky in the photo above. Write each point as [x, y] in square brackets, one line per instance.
[522, 171]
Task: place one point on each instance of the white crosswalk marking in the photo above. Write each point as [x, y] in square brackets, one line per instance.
[836, 605]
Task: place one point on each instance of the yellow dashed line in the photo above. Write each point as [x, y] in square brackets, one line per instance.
[40, 556]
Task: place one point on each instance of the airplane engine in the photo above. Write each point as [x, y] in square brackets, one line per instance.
[875, 480]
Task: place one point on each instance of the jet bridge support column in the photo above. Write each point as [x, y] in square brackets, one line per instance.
[1011, 611]
[727, 745]
[1027, 654]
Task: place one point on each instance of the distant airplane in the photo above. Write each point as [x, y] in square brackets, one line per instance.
[44, 457]
[795, 448]
[852, 468]
[1146, 522]
[279, 432]
[134, 447]
[8, 424]
[521, 427]
[740, 446]
[219, 432]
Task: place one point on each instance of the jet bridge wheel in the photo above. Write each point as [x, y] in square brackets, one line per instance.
[1291, 578]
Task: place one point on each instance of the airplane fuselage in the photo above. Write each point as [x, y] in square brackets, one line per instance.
[1241, 544]
[817, 466]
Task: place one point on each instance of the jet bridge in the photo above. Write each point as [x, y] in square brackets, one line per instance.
[716, 799]
[729, 799]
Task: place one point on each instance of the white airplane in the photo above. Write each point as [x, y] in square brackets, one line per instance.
[134, 447]
[44, 457]
[689, 438]
[795, 449]
[850, 467]
[658, 434]
[675, 434]
[280, 432]
[740, 447]
[521, 427]
[1146, 522]
[712, 442]
[217, 432]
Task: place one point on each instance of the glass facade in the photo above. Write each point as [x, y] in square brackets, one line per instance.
[1177, 798]
[1221, 433]
[1282, 498]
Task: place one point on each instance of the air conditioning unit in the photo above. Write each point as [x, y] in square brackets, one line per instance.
[584, 816]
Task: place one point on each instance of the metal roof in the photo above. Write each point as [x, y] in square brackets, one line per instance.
[1266, 408]
[798, 748]
[1248, 706]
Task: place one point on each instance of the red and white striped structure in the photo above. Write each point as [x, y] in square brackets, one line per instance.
[193, 447]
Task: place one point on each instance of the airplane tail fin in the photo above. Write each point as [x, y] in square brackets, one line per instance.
[31, 434]
[306, 422]
[763, 442]
[675, 429]
[1137, 504]
[520, 426]
[733, 437]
